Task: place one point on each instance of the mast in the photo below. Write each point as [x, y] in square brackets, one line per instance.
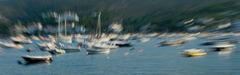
[99, 25]
[65, 23]
[59, 27]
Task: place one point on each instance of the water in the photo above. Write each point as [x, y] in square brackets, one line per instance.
[145, 59]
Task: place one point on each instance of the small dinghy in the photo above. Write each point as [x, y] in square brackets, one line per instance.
[194, 52]
[37, 59]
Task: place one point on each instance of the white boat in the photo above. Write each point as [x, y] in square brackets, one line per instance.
[46, 46]
[97, 42]
[10, 45]
[194, 52]
[57, 51]
[21, 40]
[102, 45]
[96, 50]
[36, 59]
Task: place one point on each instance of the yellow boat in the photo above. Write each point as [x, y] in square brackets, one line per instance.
[194, 52]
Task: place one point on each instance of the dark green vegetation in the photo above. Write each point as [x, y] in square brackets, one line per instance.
[160, 15]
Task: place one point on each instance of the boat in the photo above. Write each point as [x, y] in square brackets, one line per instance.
[57, 51]
[212, 43]
[21, 40]
[100, 41]
[172, 43]
[194, 52]
[69, 47]
[37, 59]
[10, 45]
[223, 47]
[97, 50]
[46, 46]
[120, 43]
[103, 45]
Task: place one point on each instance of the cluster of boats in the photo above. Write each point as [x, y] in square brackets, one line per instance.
[217, 44]
[106, 43]
[61, 45]
[216, 47]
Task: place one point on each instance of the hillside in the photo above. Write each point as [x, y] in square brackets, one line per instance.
[134, 14]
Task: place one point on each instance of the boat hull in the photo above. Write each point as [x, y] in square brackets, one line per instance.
[98, 50]
[123, 45]
[37, 60]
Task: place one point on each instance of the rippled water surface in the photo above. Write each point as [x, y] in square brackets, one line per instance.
[145, 59]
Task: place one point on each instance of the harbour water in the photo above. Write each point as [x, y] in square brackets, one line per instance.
[145, 59]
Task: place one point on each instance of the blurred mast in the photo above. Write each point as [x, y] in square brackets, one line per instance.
[59, 27]
[65, 26]
[99, 25]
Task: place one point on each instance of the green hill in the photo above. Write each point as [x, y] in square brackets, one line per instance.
[134, 14]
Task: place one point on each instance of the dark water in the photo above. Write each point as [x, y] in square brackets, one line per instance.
[146, 59]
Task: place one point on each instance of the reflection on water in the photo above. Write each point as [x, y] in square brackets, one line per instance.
[225, 53]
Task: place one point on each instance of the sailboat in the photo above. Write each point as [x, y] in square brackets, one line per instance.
[65, 41]
[120, 41]
[96, 47]
[63, 38]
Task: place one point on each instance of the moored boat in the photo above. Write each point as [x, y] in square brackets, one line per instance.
[21, 40]
[223, 47]
[172, 43]
[194, 52]
[95, 50]
[10, 45]
[120, 43]
[36, 59]
[57, 51]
